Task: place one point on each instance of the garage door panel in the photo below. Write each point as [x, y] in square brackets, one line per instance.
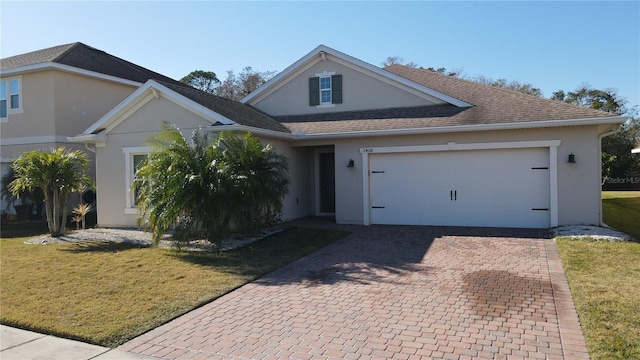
[465, 188]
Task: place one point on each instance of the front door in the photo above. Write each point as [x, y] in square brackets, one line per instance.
[327, 183]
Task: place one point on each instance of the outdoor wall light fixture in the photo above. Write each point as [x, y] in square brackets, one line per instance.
[572, 159]
[351, 164]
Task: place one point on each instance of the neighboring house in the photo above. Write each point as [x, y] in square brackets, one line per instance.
[636, 150]
[51, 94]
[367, 145]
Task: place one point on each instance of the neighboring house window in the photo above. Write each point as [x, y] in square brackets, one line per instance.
[134, 156]
[10, 97]
[325, 89]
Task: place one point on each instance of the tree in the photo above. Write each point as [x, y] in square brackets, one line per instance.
[206, 81]
[514, 85]
[235, 87]
[58, 173]
[206, 184]
[392, 60]
[617, 160]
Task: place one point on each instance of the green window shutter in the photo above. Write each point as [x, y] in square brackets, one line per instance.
[336, 89]
[314, 91]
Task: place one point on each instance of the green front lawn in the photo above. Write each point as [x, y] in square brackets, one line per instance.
[605, 281]
[107, 293]
[621, 211]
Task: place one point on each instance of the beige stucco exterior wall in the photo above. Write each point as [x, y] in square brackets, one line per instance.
[63, 104]
[360, 92]
[56, 105]
[143, 124]
[80, 101]
[38, 108]
[578, 184]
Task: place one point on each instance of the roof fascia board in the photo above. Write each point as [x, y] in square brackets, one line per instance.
[312, 58]
[67, 68]
[283, 74]
[464, 128]
[253, 130]
[191, 105]
[123, 106]
[145, 93]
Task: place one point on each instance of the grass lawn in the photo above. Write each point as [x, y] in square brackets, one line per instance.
[605, 281]
[621, 211]
[106, 293]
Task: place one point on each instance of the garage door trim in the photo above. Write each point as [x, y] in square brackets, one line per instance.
[553, 166]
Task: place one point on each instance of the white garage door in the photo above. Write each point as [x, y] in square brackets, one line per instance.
[497, 188]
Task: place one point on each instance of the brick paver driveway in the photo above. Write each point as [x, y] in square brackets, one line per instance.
[393, 292]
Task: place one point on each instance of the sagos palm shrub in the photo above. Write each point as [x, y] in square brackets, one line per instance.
[207, 181]
[58, 173]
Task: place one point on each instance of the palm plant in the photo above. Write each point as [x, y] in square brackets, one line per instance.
[259, 174]
[208, 182]
[182, 179]
[58, 173]
[81, 212]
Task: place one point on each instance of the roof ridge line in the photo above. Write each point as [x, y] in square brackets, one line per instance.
[499, 88]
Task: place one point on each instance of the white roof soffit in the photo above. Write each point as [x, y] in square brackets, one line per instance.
[464, 128]
[315, 56]
[145, 93]
[66, 68]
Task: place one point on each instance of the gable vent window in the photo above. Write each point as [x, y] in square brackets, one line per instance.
[325, 90]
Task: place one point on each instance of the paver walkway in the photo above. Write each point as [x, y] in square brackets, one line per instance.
[392, 292]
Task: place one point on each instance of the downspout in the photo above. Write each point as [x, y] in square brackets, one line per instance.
[600, 137]
[86, 145]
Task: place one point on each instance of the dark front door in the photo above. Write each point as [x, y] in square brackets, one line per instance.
[327, 183]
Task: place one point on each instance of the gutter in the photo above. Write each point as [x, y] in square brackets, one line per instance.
[255, 131]
[88, 138]
[463, 128]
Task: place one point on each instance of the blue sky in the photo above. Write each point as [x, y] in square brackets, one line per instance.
[552, 45]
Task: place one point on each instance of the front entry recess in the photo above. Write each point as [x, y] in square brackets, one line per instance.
[327, 183]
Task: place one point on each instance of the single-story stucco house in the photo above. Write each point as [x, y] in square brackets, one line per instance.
[370, 145]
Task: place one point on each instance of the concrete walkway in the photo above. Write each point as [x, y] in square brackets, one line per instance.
[392, 292]
[17, 344]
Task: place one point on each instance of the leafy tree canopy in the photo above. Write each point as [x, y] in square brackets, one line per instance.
[206, 81]
[237, 86]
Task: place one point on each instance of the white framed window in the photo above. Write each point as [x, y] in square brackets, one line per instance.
[325, 90]
[10, 97]
[134, 156]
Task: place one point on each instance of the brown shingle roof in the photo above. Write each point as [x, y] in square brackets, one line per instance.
[85, 57]
[491, 105]
[234, 110]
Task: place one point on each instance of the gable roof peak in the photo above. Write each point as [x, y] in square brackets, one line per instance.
[316, 55]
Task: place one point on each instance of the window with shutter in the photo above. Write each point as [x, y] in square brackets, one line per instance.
[325, 89]
[314, 91]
